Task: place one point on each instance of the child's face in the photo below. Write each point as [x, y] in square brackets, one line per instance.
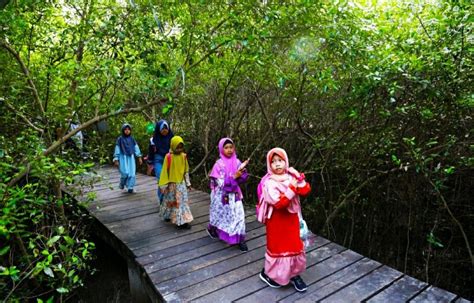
[229, 150]
[164, 131]
[278, 165]
[179, 149]
[127, 131]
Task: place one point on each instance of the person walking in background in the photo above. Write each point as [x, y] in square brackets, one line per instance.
[158, 148]
[126, 149]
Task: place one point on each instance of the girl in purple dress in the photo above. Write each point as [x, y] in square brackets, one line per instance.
[226, 214]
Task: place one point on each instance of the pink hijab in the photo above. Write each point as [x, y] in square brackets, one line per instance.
[227, 166]
[274, 185]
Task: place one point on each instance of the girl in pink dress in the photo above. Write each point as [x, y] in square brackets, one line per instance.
[279, 209]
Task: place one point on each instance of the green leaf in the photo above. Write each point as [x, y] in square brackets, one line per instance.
[48, 272]
[4, 250]
[353, 114]
[396, 160]
[431, 238]
[53, 240]
[448, 171]
[68, 240]
[62, 290]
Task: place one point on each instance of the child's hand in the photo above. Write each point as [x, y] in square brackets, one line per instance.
[294, 172]
[140, 161]
[116, 163]
[238, 174]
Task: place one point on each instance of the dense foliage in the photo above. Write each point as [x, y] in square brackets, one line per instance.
[372, 101]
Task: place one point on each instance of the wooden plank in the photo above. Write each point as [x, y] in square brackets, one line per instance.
[200, 210]
[154, 221]
[253, 236]
[172, 247]
[131, 212]
[124, 196]
[198, 276]
[141, 183]
[129, 206]
[364, 287]
[226, 252]
[199, 223]
[131, 202]
[238, 279]
[161, 248]
[434, 294]
[112, 196]
[151, 232]
[110, 218]
[335, 281]
[400, 291]
[339, 280]
[319, 263]
[461, 300]
[113, 184]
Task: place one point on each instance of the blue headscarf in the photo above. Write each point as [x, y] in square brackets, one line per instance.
[126, 143]
[162, 143]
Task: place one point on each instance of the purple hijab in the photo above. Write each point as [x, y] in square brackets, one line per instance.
[228, 165]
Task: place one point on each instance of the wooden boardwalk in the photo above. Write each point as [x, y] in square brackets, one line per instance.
[166, 264]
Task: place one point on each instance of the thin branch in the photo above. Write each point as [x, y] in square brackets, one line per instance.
[344, 202]
[63, 139]
[468, 246]
[24, 118]
[212, 51]
[26, 72]
[424, 28]
[205, 145]
[262, 108]
[211, 32]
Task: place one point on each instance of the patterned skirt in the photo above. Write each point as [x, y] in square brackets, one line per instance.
[227, 219]
[175, 204]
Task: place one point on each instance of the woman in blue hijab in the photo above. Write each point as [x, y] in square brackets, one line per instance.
[126, 149]
[159, 147]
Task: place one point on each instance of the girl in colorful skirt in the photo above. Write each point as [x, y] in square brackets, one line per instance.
[174, 184]
[279, 209]
[158, 148]
[226, 214]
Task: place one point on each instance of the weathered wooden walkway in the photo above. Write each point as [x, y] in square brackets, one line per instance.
[166, 264]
